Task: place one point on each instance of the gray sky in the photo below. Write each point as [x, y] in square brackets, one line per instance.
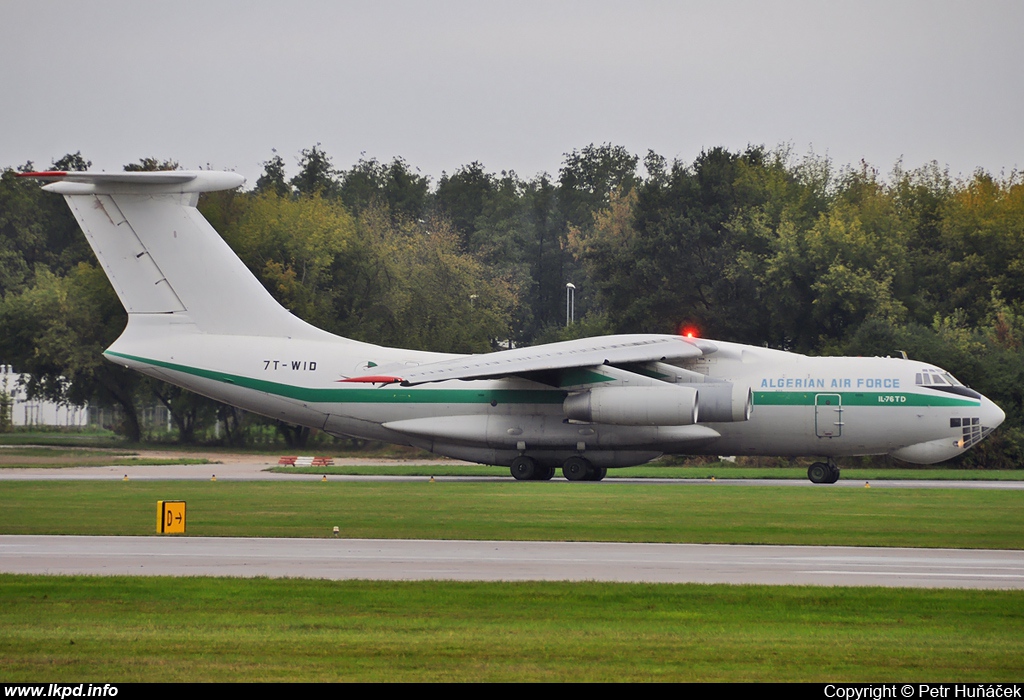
[511, 84]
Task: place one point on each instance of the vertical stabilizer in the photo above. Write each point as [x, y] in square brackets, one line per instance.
[164, 259]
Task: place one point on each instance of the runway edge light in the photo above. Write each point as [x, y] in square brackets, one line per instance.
[170, 517]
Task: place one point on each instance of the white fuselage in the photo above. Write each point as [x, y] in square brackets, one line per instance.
[822, 406]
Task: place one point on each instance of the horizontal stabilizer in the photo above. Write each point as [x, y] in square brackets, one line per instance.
[161, 182]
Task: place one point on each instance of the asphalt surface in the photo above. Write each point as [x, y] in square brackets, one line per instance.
[511, 561]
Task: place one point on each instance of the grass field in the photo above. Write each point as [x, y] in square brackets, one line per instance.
[197, 629]
[528, 511]
[38, 456]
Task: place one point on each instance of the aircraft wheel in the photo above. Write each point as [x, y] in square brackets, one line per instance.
[524, 468]
[598, 473]
[544, 473]
[819, 473]
[833, 475]
[577, 469]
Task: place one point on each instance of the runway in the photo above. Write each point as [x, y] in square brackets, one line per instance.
[258, 471]
[511, 561]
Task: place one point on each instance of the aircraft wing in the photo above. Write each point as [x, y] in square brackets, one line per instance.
[587, 352]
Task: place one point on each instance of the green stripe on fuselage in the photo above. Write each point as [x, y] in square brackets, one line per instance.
[859, 398]
[385, 394]
[581, 376]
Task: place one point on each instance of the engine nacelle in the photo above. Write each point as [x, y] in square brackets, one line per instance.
[639, 405]
[725, 402]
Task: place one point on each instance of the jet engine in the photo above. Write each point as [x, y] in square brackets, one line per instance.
[641, 405]
[725, 402]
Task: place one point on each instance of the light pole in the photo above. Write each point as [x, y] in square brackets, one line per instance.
[570, 306]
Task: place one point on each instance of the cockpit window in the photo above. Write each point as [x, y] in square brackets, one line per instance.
[933, 377]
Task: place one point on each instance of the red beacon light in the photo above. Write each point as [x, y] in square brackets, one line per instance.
[689, 332]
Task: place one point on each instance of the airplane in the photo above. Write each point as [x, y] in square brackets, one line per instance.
[198, 318]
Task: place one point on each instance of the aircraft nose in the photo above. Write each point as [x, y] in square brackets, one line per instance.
[991, 415]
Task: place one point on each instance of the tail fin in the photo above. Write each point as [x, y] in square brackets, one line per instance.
[164, 259]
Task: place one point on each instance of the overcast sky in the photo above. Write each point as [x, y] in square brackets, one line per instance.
[513, 85]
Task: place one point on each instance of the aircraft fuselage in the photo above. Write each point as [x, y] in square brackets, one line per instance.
[822, 406]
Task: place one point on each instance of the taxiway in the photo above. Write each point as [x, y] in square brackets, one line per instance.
[511, 561]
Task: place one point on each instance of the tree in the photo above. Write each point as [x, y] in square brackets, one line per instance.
[151, 165]
[405, 191]
[418, 290]
[56, 331]
[188, 411]
[920, 198]
[72, 162]
[826, 280]
[273, 178]
[659, 256]
[370, 184]
[361, 185]
[983, 245]
[22, 231]
[463, 197]
[36, 229]
[589, 176]
[6, 402]
[316, 174]
[300, 249]
[546, 254]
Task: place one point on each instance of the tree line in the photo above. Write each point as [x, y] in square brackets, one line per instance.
[755, 246]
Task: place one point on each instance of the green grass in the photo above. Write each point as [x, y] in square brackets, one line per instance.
[62, 438]
[716, 470]
[54, 452]
[960, 518]
[41, 457]
[200, 629]
[96, 438]
[116, 462]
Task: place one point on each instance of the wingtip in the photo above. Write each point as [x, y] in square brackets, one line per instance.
[45, 173]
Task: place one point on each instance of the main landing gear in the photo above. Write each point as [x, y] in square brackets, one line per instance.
[580, 469]
[526, 469]
[823, 472]
[574, 469]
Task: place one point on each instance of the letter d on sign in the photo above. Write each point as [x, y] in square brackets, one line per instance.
[170, 517]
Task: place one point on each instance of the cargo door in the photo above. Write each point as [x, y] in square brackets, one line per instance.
[828, 415]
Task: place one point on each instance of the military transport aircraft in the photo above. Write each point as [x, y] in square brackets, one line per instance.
[198, 318]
